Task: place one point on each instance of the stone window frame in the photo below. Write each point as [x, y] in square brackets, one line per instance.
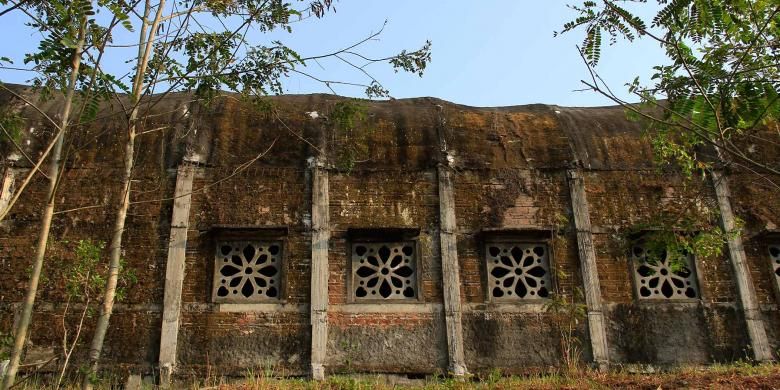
[357, 235]
[519, 236]
[633, 266]
[249, 233]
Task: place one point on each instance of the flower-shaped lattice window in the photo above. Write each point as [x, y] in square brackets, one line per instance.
[384, 270]
[247, 271]
[774, 255]
[659, 278]
[518, 271]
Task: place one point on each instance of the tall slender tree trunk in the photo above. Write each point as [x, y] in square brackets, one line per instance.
[114, 264]
[20, 333]
[101, 328]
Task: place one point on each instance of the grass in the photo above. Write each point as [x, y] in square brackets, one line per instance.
[730, 376]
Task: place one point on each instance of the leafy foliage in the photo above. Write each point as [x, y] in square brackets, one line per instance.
[677, 246]
[6, 341]
[84, 275]
[567, 313]
[678, 234]
[10, 125]
[349, 121]
[60, 23]
[413, 62]
[206, 62]
[720, 86]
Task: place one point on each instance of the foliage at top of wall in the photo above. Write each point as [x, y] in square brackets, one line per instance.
[717, 87]
[351, 128]
[690, 228]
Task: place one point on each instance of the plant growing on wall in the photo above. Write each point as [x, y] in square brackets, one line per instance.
[10, 128]
[708, 106]
[349, 120]
[567, 312]
[673, 234]
[84, 279]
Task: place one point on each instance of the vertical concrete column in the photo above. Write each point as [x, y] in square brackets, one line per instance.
[320, 219]
[590, 273]
[174, 271]
[747, 295]
[7, 187]
[450, 272]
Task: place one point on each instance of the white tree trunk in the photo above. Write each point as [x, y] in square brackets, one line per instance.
[115, 249]
[20, 333]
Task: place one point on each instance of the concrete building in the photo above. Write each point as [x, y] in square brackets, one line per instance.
[431, 238]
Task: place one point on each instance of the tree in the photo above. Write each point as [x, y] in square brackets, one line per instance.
[708, 107]
[175, 52]
[719, 90]
[70, 24]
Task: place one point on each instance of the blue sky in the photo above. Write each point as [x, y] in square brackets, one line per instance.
[486, 53]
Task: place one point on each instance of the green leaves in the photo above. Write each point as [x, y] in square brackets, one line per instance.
[720, 80]
[10, 126]
[349, 120]
[118, 10]
[82, 7]
[677, 245]
[85, 274]
[413, 62]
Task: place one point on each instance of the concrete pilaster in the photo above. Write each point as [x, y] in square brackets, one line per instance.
[747, 294]
[7, 187]
[320, 219]
[174, 272]
[590, 273]
[450, 273]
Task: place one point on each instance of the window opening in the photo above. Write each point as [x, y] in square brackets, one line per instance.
[518, 271]
[657, 277]
[384, 270]
[247, 271]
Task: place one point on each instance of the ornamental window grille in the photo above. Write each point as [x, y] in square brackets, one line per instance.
[384, 270]
[774, 256]
[247, 271]
[518, 271]
[657, 277]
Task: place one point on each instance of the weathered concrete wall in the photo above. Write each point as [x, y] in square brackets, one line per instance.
[278, 336]
[756, 203]
[360, 340]
[135, 336]
[391, 341]
[508, 173]
[652, 332]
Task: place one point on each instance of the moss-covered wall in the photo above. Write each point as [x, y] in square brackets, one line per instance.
[509, 173]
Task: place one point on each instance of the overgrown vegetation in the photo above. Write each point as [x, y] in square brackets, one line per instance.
[708, 104]
[6, 341]
[202, 47]
[10, 129]
[567, 312]
[84, 276]
[351, 131]
[738, 375]
[718, 89]
[675, 233]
